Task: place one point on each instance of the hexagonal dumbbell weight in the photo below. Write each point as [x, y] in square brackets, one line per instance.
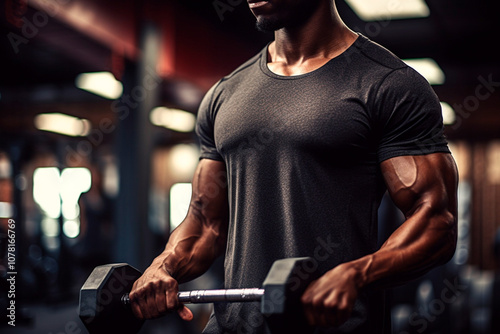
[102, 308]
[104, 297]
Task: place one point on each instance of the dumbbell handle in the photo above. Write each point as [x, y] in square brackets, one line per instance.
[211, 296]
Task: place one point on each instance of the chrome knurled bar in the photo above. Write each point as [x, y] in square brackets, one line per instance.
[222, 295]
[212, 296]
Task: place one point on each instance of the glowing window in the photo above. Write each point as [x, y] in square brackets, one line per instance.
[180, 197]
[58, 193]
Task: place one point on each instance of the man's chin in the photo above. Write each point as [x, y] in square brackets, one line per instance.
[268, 25]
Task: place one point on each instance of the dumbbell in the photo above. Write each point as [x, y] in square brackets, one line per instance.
[105, 306]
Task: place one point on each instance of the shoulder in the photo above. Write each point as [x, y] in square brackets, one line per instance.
[238, 75]
[378, 55]
[378, 68]
[244, 69]
[387, 71]
[248, 65]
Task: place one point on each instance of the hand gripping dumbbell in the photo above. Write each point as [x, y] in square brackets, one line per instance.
[104, 302]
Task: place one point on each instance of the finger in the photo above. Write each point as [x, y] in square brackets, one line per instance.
[335, 312]
[136, 310]
[149, 308]
[161, 302]
[146, 309]
[171, 299]
[307, 306]
[307, 310]
[314, 312]
[185, 313]
[332, 313]
[345, 310]
[325, 311]
[322, 317]
[134, 299]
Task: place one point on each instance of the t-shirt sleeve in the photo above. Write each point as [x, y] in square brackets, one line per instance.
[410, 120]
[205, 127]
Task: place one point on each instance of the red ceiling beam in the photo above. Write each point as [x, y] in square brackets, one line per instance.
[192, 48]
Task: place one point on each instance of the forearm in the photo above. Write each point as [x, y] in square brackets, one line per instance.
[190, 251]
[201, 237]
[191, 248]
[423, 242]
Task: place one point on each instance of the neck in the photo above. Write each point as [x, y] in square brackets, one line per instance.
[323, 35]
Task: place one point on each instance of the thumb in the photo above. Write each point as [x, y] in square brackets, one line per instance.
[185, 313]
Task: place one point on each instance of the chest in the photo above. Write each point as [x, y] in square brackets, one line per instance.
[276, 116]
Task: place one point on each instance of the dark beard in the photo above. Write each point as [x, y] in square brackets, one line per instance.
[303, 13]
[268, 25]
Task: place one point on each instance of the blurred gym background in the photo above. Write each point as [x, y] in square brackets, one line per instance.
[98, 100]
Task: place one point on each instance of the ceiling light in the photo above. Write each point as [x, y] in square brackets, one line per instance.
[173, 119]
[428, 68]
[101, 83]
[372, 10]
[63, 124]
[449, 115]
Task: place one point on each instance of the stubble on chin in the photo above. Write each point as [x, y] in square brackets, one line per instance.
[268, 25]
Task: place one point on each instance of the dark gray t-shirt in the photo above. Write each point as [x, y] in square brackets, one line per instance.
[302, 155]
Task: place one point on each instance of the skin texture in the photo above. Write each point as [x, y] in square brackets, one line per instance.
[423, 187]
[191, 249]
[299, 49]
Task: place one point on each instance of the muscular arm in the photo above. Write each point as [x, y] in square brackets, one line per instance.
[424, 188]
[201, 238]
[191, 248]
